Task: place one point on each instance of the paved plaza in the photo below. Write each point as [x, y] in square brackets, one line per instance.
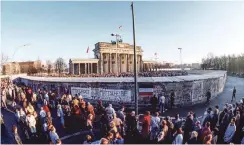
[199, 109]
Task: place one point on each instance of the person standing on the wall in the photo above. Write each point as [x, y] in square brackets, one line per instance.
[154, 102]
[172, 99]
[161, 103]
[234, 94]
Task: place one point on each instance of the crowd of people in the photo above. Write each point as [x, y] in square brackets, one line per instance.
[124, 74]
[35, 111]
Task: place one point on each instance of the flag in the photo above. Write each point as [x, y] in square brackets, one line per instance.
[155, 54]
[87, 50]
[120, 27]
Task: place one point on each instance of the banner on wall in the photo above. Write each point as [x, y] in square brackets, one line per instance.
[102, 94]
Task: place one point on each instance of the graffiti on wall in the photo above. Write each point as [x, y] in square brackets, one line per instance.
[186, 92]
[197, 91]
[102, 94]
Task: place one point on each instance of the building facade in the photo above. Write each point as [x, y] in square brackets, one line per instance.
[108, 58]
[21, 67]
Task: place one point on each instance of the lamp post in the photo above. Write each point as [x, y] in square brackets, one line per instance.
[181, 58]
[17, 48]
[135, 63]
[117, 38]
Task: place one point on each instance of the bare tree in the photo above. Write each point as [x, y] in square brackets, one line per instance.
[49, 66]
[234, 64]
[4, 60]
[60, 65]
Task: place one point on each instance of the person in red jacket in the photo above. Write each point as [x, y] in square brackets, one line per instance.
[146, 125]
[206, 131]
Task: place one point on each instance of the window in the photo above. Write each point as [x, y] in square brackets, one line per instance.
[123, 62]
[112, 57]
[130, 62]
[104, 57]
[105, 62]
[122, 57]
[113, 62]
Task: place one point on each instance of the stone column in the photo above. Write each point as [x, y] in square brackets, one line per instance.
[85, 68]
[120, 62]
[132, 60]
[79, 68]
[97, 67]
[116, 63]
[73, 68]
[91, 68]
[101, 63]
[127, 63]
[110, 63]
[141, 63]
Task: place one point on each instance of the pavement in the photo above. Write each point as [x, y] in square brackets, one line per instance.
[78, 136]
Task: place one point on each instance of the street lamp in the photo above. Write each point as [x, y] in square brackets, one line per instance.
[17, 48]
[135, 63]
[181, 58]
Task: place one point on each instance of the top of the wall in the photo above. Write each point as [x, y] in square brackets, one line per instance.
[192, 77]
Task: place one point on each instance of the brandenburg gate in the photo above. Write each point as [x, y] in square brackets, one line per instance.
[108, 58]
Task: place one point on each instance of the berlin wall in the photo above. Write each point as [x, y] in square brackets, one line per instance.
[188, 90]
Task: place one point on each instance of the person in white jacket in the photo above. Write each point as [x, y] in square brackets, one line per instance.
[230, 131]
[60, 114]
[42, 115]
[161, 104]
[178, 137]
[110, 112]
[31, 121]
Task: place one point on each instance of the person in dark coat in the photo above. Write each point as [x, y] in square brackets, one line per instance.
[100, 109]
[224, 122]
[208, 117]
[208, 96]
[154, 102]
[189, 127]
[214, 119]
[234, 94]
[131, 131]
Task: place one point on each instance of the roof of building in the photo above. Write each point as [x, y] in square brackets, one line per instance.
[84, 60]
